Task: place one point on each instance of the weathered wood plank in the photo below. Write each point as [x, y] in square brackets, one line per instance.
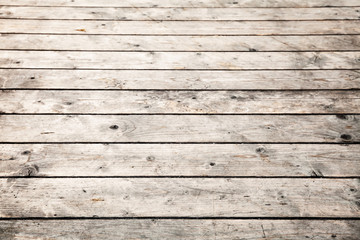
[135, 79]
[170, 229]
[199, 102]
[180, 43]
[157, 14]
[181, 128]
[179, 160]
[186, 3]
[180, 60]
[178, 197]
[180, 27]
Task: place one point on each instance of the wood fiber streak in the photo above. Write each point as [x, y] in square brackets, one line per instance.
[186, 3]
[180, 27]
[180, 229]
[198, 102]
[191, 128]
[179, 160]
[180, 43]
[180, 60]
[207, 80]
[139, 197]
[160, 14]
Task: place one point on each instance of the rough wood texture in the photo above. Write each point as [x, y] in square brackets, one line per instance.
[156, 14]
[180, 27]
[186, 3]
[198, 102]
[178, 197]
[157, 128]
[180, 43]
[180, 229]
[180, 60]
[132, 79]
[179, 160]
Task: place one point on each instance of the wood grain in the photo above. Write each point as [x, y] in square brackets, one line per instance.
[159, 14]
[180, 229]
[199, 102]
[180, 60]
[180, 43]
[185, 80]
[167, 128]
[186, 3]
[178, 197]
[179, 160]
[180, 27]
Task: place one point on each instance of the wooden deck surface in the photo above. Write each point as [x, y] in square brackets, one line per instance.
[169, 119]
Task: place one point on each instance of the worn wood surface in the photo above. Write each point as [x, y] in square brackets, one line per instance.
[198, 102]
[191, 128]
[179, 60]
[171, 110]
[187, 3]
[180, 229]
[180, 27]
[178, 197]
[179, 160]
[180, 43]
[155, 79]
[158, 14]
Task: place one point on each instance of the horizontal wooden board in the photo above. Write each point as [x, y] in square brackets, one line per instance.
[199, 102]
[179, 160]
[157, 14]
[170, 229]
[181, 128]
[178, 197]
[179, 60]
[180, 43]
[149, 79]
[180, 27]
[186, 3]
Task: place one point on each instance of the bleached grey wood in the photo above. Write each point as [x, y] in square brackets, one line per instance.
[183, 128]
[180, 43]
[199, 102]
[178, 197]
[149, 79]
[187, 3]
[180, 27]
[170, 229]
[180, 60]
[179, 160]
[179, 13]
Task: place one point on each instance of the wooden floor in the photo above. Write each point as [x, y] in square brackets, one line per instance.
[180, 119]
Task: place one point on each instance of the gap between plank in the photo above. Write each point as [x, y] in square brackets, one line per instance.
[180, 218]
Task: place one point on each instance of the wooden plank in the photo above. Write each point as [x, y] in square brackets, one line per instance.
[180, 60]
[180, 43]
[199, 102]
[137, 79]
[170, 229]
[178, 197]
[186, 3]
[179, 160]
[180, 27]
[181, 128]
[157, 14]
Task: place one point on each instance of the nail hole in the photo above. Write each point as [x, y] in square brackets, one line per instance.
[341, 116]
[212, 164]
[345, 136]
[114, 127]
[260, 150]
[26, 152]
